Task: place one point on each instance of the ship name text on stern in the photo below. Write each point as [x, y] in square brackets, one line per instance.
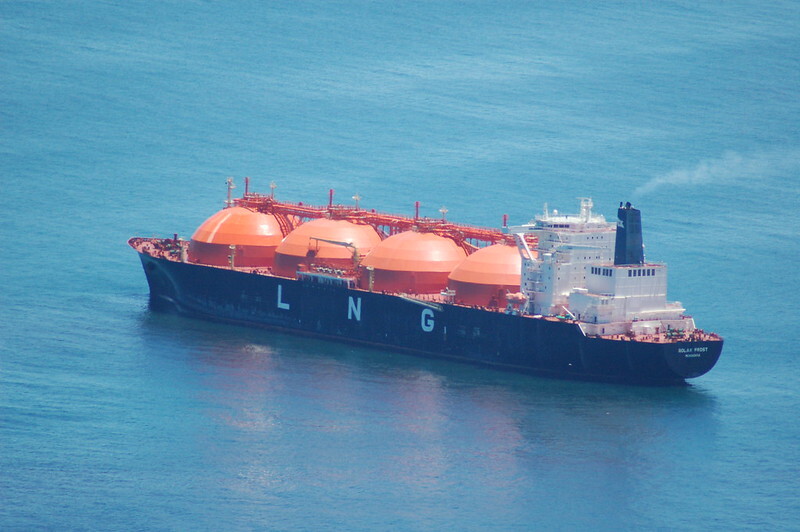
[692, 351]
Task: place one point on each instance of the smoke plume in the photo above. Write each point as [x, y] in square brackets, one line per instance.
[731, 167]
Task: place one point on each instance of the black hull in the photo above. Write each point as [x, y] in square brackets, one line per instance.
[526, 344]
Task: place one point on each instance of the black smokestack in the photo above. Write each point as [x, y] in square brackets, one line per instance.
[629, 248]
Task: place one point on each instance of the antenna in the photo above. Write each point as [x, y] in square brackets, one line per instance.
[444, 212]
[586, 208]
[357, 197]
[231, 186]
[272, 187]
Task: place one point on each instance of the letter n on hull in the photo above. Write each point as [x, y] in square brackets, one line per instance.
[354, 308]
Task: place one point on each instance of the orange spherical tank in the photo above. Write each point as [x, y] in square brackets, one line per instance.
[486, 275]
[412, 262]
[302, 246]
[256, 236]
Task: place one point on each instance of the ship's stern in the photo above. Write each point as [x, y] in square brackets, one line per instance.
[692, 359]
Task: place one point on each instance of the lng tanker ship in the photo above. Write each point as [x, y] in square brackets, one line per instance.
[568, 296]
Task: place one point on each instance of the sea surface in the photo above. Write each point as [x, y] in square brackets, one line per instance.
[125, 118]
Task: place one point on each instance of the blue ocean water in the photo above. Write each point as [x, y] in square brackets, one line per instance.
[121, 119]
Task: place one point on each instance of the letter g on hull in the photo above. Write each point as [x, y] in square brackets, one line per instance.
[426, 320]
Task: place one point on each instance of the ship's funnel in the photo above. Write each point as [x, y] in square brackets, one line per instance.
[629, 248]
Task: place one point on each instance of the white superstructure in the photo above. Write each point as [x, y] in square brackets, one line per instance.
[579, 271]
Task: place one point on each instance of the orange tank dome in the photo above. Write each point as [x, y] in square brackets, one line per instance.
[300, 241]
[255, 236]
[411, 262]
[302, 247]
[486, 276]
[498, 264]
[239, 226]
[416, 252]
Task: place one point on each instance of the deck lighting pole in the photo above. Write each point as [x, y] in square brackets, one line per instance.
[231, 186]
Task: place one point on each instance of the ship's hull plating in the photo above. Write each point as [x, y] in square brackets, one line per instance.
[536, 345]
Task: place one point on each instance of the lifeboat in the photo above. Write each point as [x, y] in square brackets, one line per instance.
[322, 242]
[486, 276]
[255, 236]
[411, 262]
